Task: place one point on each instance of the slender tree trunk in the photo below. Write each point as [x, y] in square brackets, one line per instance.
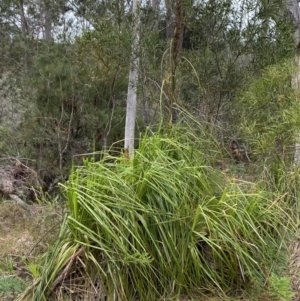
[47, 21]
[155, 5]
[170, 19]
[25, 32]
[146, 112]
[132, 87]
[175, 30]
[24, 24]
[294, 11]
[48, 25]
[296, 85]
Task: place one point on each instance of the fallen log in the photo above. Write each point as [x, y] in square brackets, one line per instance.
[20, 202]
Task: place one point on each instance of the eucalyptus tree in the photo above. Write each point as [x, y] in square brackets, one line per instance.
[175, 34]
[132, 85]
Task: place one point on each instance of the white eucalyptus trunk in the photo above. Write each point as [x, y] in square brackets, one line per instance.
[294, 11]
[132, 87]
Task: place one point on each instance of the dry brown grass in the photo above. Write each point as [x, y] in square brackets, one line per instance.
[27, 234]
[24, 237]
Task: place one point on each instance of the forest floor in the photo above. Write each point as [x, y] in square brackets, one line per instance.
[25, 236]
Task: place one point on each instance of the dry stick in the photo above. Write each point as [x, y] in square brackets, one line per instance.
[66, 269]
[20, 202]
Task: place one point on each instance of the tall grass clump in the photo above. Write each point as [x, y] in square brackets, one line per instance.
[164, 224]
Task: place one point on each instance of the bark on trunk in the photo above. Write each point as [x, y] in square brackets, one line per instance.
[170, 20]
[175, 30]
[47, 23]
[24, 23]
[25, 33]
[154, 4]
[132, 88]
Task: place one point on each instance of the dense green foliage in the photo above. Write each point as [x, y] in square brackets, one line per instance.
[73, 88]
[269, 115]
[188, 214]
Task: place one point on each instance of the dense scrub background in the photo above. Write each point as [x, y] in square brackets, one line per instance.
[210, 199]
[65, 96]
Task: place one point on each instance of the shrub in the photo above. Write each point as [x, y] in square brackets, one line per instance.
[165, 223]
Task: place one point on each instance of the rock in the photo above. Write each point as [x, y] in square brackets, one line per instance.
[6, 186]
